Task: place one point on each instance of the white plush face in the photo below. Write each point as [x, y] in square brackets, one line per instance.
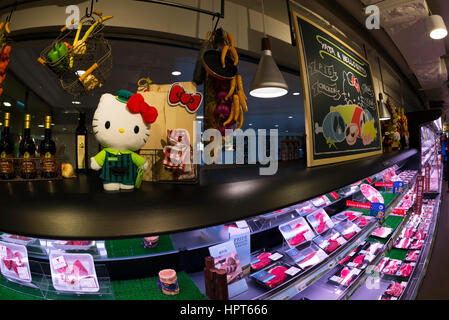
[117, 128]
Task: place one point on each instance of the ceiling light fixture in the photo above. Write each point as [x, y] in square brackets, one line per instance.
[268, 81]
[176, 73]
[384, 114]
[76, 102]
[41, 126]
[436, 27]
[296, 93]
[6, 104]
[290, 117]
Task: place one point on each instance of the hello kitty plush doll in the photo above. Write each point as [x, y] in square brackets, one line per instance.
[121, 125]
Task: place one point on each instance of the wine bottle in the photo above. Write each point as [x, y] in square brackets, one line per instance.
[81, 145]
[6, 152]
[47, 151]
[27, 152]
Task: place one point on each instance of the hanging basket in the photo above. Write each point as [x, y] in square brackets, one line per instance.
[82, 64]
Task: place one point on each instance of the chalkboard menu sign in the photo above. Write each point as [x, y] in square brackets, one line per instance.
[342, 118]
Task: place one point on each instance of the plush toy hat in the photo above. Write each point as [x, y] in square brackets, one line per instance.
[136, 104]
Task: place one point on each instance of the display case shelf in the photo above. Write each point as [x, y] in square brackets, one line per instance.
[79, 209]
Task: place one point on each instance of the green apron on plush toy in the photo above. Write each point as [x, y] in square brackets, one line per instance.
[121, 125]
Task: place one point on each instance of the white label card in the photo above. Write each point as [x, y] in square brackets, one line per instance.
[241, 224]
[275, 256]
[58, 262]
[3, 251]
[23, 273]
[88, 283]
[292, 271]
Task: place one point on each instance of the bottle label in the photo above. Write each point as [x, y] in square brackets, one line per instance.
[27, 163]
[6, 163]
[48, 163]
[81, 148]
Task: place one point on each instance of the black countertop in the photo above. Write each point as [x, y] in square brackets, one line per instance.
[79, 209]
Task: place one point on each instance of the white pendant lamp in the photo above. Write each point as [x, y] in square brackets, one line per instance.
[268, 81]
[436, 27]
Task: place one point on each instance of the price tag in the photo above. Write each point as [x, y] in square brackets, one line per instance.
[292, 271]
[23, 273]
[275, 256]
[3, 253]
[241, 224]
[58, 262]
[300, 287]
[88, 283]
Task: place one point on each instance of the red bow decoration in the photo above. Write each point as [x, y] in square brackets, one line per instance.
[178, 96]
[355, 84]
[137, 104]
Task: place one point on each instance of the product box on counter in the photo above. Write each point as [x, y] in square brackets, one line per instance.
[273, 276]
[73, 244]
[17, 239]
[344, 276]
[71, 272]
[347, 229]
[329, 241]
[307, 255]
[320, 221]
[264, 258]
[296, 232]
[14, 262]
[394, 291]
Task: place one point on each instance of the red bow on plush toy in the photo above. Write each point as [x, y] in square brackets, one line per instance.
[136, 104]
[178, 96]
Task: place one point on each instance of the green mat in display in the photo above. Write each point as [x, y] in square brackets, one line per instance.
[10, 294]
[134, 247]
[398, 254]
[147, 289]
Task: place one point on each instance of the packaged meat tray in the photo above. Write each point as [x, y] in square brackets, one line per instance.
[17, 239]
[371, 194]
[412, 255]
[405, 270]
[344, 276]
[420, 235]
[373, 249]
[407, 233]
[73, 244]
[330, 241]
[346, 215]
[263, 258]
[275, 275]
[382, 232]
[347, 229]
[321, 201]
[362, 221]
[381, 264]
[14, 262]
[417, 245]
[392, 267]
[71, 272]
[307, 256]
[360, 261]
[402, 243]
[305, 209]
[394, 291]
[320, 221]
[296, 232]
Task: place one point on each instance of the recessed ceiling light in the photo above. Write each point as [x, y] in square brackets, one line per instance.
[296, 93]
[76, 102]
[52, 124]
[290, 117]
[6, 104]
[41, 126]
[250, 124]
[176, 73]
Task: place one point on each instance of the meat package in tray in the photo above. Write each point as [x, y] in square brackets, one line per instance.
[320, 221]
[392, 267]
[412, 255]
[14, 262]
[344, 276]
[296, 232]
[274, 275]
[362, 221]
[394, 291]
[346, 215]
[263, 258]
[347, 229]
[330, 241]
[307, 255]
[73, 244]
[402, 243]
[360, 260]
[405, 270]
[407, 233]
[382, 232]
[17, 239]
[72, 272]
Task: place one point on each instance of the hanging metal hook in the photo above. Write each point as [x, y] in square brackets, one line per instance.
[8, 19]
[89, 14]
